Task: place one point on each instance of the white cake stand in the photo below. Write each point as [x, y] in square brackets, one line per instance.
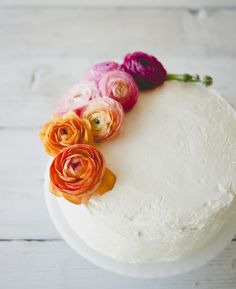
[150, 270]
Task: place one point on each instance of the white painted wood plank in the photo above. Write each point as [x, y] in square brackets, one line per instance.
[23, 212]
[30, 103]
[120, 3]
[30, 88]
[54, 265]
[111, 33]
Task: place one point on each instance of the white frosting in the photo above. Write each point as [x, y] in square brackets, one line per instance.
[175, 162]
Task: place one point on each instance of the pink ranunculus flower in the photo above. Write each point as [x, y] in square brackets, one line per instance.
[77, 96]
[120, 86]
[97, 70]
[105, 115]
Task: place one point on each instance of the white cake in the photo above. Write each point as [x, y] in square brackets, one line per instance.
[175, 162]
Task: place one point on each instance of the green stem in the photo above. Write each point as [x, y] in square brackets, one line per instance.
[206, 80]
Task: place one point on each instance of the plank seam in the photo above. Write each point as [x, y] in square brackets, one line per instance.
[45, 240]
[31, 240]
[107, 7]
[19, 128]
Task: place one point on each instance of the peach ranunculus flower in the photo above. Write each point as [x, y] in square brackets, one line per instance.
[63, 131]
[78, 172]
[105, 115]
[77, 96]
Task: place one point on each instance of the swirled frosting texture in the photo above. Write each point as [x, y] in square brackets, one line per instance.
[176, 165]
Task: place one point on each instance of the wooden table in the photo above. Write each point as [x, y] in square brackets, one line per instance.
[44, 48]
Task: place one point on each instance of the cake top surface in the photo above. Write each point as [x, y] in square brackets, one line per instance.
[175, 161]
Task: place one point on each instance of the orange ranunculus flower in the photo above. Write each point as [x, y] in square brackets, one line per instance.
[78, 172]
[63, 131]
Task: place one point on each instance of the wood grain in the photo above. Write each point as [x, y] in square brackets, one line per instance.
[52, 264]
[23, 209]
[111, 33]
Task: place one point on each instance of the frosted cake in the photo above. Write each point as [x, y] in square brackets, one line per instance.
[144, 161]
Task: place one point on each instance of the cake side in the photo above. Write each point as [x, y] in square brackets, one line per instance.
[176, 164]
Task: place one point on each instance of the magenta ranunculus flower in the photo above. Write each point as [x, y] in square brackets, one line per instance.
[97, 70]
[147, 71]
[77, 96]
[120, 86]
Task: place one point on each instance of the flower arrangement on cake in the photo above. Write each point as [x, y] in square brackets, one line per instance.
[92, 112]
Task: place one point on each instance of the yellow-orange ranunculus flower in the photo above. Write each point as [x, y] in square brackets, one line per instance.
[105, 115]
[78, 172]
[63, 131]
